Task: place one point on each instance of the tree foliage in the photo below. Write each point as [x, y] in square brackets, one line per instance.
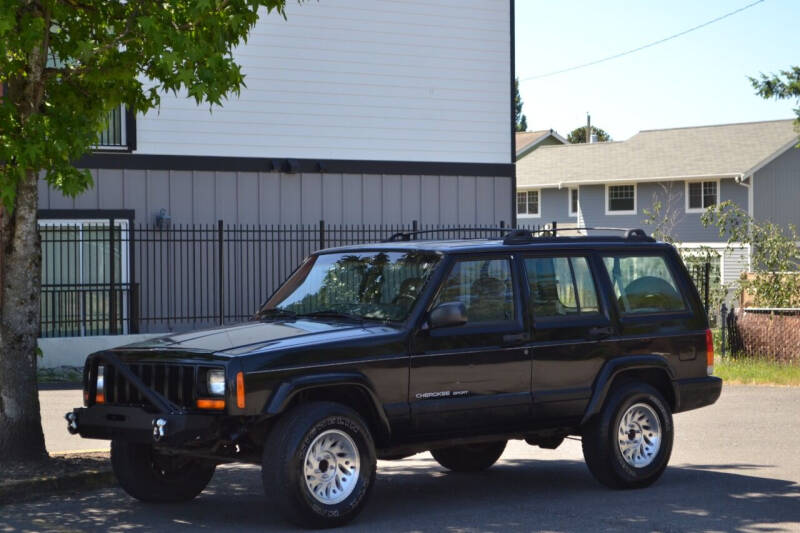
[520, 121]
[775, 256]
[65, 64]
[68, 63]
[782, 86]
[578, 135]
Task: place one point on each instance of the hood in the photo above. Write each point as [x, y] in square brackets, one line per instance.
[242, 338]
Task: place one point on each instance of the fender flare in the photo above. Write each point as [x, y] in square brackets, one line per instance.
[618, 365]
[290, 388]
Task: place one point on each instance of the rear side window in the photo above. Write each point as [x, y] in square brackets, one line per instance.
[561, 286]
[643, 284]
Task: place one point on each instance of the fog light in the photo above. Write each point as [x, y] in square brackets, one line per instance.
[216, 382]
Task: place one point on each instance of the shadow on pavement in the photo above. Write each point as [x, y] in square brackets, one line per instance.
[418, 495]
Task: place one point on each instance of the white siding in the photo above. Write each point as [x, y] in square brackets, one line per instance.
[404, 80]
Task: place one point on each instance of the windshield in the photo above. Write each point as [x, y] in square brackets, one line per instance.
[362, 285]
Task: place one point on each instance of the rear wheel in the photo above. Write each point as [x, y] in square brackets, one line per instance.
[629, 443]
[319, 464]
[469, 457]
[157, 478]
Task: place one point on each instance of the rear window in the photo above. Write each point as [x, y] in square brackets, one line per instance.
[643, 284]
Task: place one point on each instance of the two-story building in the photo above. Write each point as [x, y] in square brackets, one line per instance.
[683, 170]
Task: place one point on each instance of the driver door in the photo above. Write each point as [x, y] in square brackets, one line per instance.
[477, 374]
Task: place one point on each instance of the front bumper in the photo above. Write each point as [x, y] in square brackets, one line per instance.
[135, 424]
[696, 392]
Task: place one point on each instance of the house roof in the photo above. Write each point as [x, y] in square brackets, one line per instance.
[726, 150]
[526, 140]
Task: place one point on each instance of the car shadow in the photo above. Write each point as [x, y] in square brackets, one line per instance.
[418, 495]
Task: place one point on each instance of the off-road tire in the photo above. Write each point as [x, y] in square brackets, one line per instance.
[284, 458]
[469, 457]
[600, 439]
[155, 478]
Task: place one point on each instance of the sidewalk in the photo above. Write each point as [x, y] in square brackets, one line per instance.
[55, 403]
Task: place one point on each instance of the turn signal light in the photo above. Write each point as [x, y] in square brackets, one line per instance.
[240, 390]
[709, 352]
[210, 403]
[99, 398]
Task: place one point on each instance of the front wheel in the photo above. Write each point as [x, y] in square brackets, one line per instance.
[629, 443]
[469, 457]
[319, 464]
[157, 478]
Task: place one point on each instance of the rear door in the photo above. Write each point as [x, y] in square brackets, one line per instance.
[572, 330]
[476, 375]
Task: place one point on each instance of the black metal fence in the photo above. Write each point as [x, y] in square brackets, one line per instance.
[140, 278]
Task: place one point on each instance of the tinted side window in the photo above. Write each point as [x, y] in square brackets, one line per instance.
[484, 287]
[561, 286]
[643, 284]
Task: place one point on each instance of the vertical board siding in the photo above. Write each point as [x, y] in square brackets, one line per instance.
[358, 79]
[203, 197]
[776, 192]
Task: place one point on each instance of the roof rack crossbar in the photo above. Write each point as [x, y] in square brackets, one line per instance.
[407, 235]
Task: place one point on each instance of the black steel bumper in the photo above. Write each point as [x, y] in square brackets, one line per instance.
[696, 392]
[138, 425]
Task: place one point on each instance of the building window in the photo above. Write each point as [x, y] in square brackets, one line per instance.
[77, 277]
[115, 136]
[528, 203]
[701, 195]
[573, 202]
[621, 199]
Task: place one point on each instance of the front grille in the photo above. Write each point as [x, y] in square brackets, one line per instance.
[177, 383]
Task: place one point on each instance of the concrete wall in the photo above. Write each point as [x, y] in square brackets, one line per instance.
[776, 190]
[72, 351]
[273, 198]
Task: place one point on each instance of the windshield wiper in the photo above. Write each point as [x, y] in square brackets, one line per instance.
[275, 312]
[330, 313]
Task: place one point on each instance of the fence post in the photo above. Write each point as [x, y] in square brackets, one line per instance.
[321, 234]
[133, 298]
[112, 297]
[221, 291]
[723, 312]
[706, 283]
[414, 225]
[555, 228]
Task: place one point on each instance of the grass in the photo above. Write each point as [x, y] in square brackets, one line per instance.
[753, 371]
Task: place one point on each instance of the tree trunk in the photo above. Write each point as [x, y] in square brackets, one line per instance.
[21, 436]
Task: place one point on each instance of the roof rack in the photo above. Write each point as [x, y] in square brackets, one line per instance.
[407, 235]
[523, 236]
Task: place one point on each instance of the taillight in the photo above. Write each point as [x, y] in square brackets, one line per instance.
[709, 352]
[240, 390]
[100, 396]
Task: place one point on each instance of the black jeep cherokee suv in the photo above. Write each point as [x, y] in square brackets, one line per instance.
[382, 351]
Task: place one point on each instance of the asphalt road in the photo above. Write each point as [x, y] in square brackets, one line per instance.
[735, 467]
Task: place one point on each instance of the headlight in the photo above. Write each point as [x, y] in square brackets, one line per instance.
[215, 380]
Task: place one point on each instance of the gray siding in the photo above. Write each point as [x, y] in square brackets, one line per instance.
[688, 227]
[776, 190]
[270, 198]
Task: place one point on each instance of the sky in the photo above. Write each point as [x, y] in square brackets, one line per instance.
[696, 79]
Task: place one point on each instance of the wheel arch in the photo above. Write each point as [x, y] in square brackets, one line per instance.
[651, 369]
[349, 388]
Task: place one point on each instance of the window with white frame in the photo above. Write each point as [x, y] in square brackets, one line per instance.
[621, 199]
[528, 203]
[701, 195]
[77, 263]
[573, 202]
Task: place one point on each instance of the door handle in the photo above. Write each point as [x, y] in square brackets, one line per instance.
[515, 338]
[599, 333]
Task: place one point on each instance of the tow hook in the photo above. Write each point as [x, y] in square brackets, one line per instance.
[159, 429]
[72, 422]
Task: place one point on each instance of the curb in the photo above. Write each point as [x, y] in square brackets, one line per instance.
[28, 489]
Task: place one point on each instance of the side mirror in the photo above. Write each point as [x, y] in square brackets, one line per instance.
[448, 314]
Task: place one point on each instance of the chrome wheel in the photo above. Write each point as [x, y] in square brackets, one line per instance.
[331, 467]
[639, 435]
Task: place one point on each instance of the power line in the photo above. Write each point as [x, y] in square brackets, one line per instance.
[648, 45]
